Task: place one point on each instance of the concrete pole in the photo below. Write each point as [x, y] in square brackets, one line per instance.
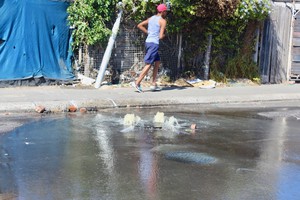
[109, 48]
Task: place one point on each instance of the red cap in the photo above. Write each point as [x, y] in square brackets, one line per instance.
[161, 7]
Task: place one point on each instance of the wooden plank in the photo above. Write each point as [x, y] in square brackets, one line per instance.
[296, 58]
[295, 68]
[275, 46]
[295, 51]
[297, 17]
[294, 77]
[279, 60]
[296, 42]
[297, 28]
[297, 22]
[265, 51]
[296, 34]
[295, 65]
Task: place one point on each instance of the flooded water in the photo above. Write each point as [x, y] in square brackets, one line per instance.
[230, 155]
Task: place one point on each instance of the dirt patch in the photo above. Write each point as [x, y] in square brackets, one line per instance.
[10, 121]
[8, 196]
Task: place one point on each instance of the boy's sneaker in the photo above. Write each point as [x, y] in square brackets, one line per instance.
[155, 88]
[137, 87]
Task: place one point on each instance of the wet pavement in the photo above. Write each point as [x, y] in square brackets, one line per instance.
[246, 153]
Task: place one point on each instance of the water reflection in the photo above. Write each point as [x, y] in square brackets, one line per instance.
[32, 158]
[148, 172]
[107, 155]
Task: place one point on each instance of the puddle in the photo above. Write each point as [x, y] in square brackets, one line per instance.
[97, 156]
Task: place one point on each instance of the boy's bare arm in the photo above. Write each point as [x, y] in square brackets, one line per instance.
[163, 24]
[142, 26]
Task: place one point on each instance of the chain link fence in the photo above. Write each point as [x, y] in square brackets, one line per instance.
[127, 59]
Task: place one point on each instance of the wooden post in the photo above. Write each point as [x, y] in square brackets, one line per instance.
[86, 61]
[289, 64]
[179, 51]
[207, 57]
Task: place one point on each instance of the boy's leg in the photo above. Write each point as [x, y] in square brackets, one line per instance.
[143, 74]
[155, 72]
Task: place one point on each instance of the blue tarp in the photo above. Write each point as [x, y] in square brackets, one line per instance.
[34, 40]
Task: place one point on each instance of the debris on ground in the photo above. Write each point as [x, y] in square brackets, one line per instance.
[127, 77]
[240, 82]
[85, 80]
[209, 84]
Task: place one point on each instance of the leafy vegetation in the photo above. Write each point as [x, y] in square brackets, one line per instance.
[90, 18]
[232, 24]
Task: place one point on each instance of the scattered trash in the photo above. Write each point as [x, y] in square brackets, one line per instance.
[85, 80]
[202, 84]
[208, 84]
[197, 80]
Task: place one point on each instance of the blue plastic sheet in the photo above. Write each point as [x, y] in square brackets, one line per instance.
[35, 40]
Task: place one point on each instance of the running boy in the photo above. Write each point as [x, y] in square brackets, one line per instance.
[155, 31]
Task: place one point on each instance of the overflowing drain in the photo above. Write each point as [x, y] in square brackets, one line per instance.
[190, 157]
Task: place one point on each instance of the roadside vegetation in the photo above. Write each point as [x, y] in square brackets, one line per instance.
[232, 25]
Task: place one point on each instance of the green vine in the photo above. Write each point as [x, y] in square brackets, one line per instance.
[253, 10]
[90, 19]
[233, 40]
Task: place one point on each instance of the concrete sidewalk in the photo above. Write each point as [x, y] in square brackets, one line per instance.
[57, 99]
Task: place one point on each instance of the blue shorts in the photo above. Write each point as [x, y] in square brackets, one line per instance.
[151, 53]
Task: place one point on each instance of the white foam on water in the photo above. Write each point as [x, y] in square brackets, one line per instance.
[171, 124]
[29, 143]
[159, 117]
[164, 148]
[131, 120]
[103, 118]
[128, 129]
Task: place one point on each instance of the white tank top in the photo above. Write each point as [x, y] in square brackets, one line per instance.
[153, 29]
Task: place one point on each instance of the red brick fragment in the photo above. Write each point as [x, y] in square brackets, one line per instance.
[83, 110]
[72, 108]
[40, 109]
[193, 126]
